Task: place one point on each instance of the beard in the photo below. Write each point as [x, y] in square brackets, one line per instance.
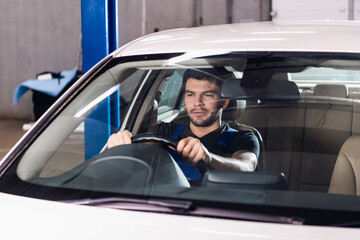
[214, 116]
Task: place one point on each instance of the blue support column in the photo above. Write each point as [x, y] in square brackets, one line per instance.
[99, 21]
[113, 25]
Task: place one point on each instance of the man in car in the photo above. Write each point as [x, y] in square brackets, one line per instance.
[206, 137]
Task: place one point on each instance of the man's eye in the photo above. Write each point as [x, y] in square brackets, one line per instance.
[189, 94]
[209, 95]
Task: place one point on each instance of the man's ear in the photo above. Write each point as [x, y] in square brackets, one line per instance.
[225, 103]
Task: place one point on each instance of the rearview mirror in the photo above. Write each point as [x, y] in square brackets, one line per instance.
[273, 89]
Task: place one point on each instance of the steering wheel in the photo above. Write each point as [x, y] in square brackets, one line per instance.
[166, 141]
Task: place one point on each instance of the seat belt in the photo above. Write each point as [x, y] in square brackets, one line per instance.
[178, 131]
[190, 172]
[226, 136]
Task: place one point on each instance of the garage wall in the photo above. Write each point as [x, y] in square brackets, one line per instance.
[139, 17]
[35, 35]
[161, 15]
[39, 35]
[315, 9]
[244, 10]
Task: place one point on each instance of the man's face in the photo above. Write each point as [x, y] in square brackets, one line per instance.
[202, 101]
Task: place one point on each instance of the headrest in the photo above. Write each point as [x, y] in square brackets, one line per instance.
[333, 90]
[234, 109]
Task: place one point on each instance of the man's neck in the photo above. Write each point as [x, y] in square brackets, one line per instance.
[202, 131]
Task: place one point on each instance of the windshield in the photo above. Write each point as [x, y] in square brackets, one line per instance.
[297, 112]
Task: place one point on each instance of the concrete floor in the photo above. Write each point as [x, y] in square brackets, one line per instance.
[10, 131]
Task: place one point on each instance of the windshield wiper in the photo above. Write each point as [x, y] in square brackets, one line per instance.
[247, 216]
[184, 207]
[138, 204]
[355, 224]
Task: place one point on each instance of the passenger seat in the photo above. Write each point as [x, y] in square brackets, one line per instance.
[346, 175]
[327, 125]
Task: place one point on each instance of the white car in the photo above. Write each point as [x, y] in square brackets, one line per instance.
[294, 85]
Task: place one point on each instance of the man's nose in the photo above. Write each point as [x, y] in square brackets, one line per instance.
[199, 101]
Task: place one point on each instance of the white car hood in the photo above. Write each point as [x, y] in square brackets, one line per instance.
[26, 218]
[313, 36]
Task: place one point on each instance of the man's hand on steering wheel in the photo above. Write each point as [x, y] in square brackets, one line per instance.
[119, 138]
[192, 150]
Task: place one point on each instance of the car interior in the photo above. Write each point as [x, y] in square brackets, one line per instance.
[300, 130]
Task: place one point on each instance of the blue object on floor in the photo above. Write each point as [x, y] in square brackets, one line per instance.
[51, 87]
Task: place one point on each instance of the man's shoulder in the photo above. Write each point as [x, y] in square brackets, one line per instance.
[242, 133]
[244, 139]
[228, 129]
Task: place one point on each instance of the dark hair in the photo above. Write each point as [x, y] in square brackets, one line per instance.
[215, 75]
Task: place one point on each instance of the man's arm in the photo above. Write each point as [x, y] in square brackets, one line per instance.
[245, 161]
[193, 151]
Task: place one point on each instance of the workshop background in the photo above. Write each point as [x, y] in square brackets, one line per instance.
[46, 35]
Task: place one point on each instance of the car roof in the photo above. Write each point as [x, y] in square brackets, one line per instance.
[313, 36]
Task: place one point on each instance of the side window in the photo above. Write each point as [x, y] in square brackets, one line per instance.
[168, 96]
[106, 118]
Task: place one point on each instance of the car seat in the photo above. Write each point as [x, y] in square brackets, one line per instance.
[150, 118]
[346, 175]
[231, 113]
